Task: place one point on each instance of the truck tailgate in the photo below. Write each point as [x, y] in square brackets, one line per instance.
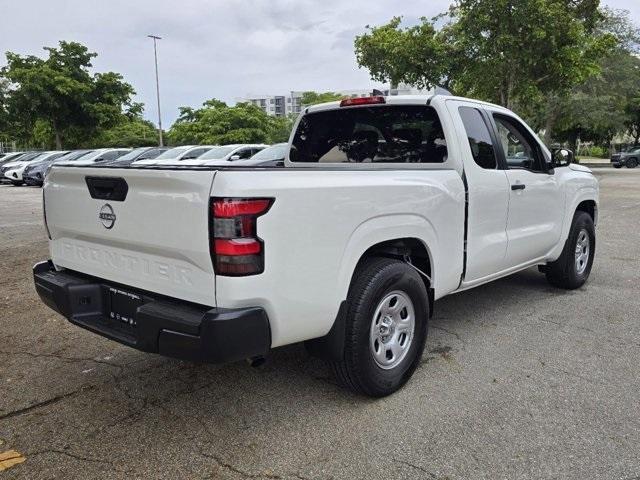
[155, 239]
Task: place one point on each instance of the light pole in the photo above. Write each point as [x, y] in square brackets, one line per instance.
[155, 55]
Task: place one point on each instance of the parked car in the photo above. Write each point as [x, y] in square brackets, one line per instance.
[100, 155]
[15, 173]
[177, 154]
[10, 157]
[142, 153]
[25, 157]
[630, 157]
[226, 153]
[35, 172]
[271, 156]
[385, 205]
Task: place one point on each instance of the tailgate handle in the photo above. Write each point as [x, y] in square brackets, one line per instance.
[107, 188]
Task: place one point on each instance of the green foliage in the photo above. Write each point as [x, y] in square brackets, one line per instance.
[218, 124]
[599, 109]
[313, 98]
[632, 121]
[130, 132]
[418, 55]
[595, 151]
[61, 91]
[602, 106]
[505, 51]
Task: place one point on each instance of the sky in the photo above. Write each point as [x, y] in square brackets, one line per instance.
[221, 49]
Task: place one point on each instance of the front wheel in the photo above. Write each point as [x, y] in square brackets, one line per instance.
[386, 327]
[572, 268]
[632, 163]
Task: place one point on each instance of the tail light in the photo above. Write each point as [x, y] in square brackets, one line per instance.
[236, 249]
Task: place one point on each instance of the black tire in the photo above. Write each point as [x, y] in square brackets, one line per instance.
[632, 163]
[16, 184]
[617, 165]
[372, 282]
[563, 273]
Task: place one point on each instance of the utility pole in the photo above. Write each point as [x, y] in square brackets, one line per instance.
[155, 55]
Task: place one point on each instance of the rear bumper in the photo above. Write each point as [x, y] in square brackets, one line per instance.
[163, 325]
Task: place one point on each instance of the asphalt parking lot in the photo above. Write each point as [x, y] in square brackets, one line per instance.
[519, 381]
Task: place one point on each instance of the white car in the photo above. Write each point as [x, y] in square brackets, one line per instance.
[98, 156]
[176, 154]
[226, 153]
[16, 161]
[384, 205]
[13, 170]
[10, 157]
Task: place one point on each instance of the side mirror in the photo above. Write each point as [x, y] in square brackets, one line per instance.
[235, 157]
[561, 157]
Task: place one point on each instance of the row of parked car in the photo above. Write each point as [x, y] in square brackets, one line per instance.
[31, 167]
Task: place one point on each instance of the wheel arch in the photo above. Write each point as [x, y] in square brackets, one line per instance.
[403, 248]
[585, 199]
[589, 206]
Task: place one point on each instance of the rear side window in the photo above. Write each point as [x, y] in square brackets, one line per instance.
[380, 134]
[479, 138]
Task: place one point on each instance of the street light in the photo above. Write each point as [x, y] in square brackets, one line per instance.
[155, 55]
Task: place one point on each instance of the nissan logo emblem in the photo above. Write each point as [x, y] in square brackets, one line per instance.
[106, 216]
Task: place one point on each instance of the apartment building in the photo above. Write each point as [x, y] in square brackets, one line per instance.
[276, 105]
[283, 105]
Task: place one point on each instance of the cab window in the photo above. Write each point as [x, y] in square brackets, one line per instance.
[377, 134]
[521, 151]
[479, 138]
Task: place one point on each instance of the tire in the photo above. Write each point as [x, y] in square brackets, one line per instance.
[617, 165]
[632, 163]
[569, 271]
[375, 285]
[16, 184]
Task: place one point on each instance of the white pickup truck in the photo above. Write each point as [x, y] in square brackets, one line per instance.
[384, 205]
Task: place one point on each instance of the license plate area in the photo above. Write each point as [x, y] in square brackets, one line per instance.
[121, 308]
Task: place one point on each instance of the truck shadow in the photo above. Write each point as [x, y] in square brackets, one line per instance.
[144, 403]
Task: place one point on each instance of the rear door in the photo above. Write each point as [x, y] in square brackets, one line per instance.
[138, 227]
[487, 189]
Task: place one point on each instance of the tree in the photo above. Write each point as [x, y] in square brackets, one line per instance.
[633, 119]
[599, 108]
[4, 112]
[218, 124]
[130, 132]
[313, 98]
[419, 55]
[505, 51]
[61, 91]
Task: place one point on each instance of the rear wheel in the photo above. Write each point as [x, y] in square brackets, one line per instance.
[572, 269]
[16, 183]
[386, 327]
[632, 163]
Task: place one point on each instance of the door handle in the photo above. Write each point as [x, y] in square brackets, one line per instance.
[518, 186]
